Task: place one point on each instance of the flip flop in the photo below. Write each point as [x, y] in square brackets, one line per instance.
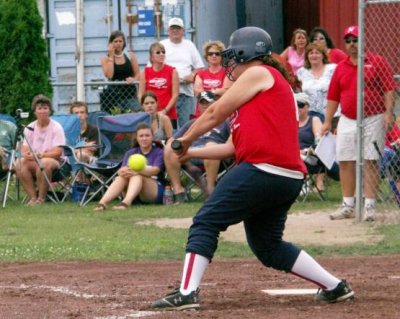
[120, 206]
[100, 207]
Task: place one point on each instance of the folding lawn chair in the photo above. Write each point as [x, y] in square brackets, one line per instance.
[60, 185]
[116, 134]
[194, 178]
[8, 132]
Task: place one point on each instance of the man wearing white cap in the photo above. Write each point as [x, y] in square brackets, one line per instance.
[378, 116]
[184, 56]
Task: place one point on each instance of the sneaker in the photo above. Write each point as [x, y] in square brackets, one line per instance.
[343, 212]
[176, 301]
[342, 292]
[180, 198]
[369, 213]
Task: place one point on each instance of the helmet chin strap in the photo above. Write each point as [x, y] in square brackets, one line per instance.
[229, 71]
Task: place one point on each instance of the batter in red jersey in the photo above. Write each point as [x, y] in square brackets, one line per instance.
[266, 181]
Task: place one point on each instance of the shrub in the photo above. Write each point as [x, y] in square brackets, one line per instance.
[24, 61]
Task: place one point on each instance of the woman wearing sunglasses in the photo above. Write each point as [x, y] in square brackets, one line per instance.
[213, 78]
[163, 80]
[320, 36]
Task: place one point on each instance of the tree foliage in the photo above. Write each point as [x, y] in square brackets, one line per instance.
[24, 61]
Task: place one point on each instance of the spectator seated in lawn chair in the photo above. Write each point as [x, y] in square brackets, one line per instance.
[144, 186]
[309, 128]
[87, 149]
[217, 135]
[40, 151]
[390, 162]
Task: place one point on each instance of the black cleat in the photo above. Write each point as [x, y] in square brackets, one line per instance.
[176, 301]
[342, 292]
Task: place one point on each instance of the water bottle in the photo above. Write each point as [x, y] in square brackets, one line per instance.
[168, 198]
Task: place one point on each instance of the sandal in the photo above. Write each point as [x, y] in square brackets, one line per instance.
[100, 207]
[31, 202]
[39, 201]
[121, 206]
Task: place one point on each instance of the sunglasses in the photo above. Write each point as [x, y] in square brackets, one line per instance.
[348, 41]
[159, 52]
[214, 53]
[300, 105]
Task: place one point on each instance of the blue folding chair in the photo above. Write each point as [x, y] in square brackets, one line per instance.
[115, 132]
[62, 176]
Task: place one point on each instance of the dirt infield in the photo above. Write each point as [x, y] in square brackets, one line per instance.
[230, 289]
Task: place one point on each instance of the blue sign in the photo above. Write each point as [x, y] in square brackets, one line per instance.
[146, 25]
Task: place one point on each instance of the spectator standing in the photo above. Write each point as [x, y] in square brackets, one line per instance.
[44, 136]
[160, 123]
[378, 113]
[119, 66]
[213, 78]
[320, 36]
[163, 80]
[294, 53]
[184, 56]
[315, 77]
[147, 185]
[89, 134]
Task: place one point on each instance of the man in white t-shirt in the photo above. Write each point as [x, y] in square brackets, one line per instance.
[184, 56]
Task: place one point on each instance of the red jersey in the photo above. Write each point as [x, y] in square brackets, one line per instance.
[336, 56]
[210, 81]
[265, 129]
[378, 78]
[160, 82]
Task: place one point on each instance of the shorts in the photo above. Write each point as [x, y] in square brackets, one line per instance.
[346, 142]
[159, 198]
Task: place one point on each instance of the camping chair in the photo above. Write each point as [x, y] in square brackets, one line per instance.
[115, 134]
[314, 167]
[8, 135]
[194, 178]
[61, 177]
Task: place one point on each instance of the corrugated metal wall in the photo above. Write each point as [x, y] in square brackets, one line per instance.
[336, 15]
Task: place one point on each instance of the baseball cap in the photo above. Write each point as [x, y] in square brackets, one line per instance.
[175, 21]
[301, 98]
[352, 30]
[207, 96]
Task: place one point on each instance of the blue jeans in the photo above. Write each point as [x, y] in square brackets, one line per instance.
[185, 108]
[261, 200]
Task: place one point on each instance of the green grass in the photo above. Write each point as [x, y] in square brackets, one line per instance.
[68, 232]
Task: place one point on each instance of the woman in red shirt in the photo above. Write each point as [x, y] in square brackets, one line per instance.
[163, 80]
[213, 78]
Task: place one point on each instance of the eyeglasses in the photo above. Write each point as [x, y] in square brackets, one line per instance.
[159, 52]
[319, 39]
[214, 53]
[348, 41]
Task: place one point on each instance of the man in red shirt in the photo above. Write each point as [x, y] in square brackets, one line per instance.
[378, 115]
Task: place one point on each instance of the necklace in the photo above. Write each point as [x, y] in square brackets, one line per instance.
[119, 55]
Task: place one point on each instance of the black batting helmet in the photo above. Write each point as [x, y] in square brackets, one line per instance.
[246, 44]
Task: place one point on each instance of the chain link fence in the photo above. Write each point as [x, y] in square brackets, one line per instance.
[380, 83]
[112, 97]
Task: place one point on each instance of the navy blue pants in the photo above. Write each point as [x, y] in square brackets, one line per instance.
[261, 200]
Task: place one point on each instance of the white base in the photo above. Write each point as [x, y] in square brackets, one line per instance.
[283, 292]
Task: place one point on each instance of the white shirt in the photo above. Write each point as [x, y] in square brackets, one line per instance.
[316, 88]
[185, 57]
